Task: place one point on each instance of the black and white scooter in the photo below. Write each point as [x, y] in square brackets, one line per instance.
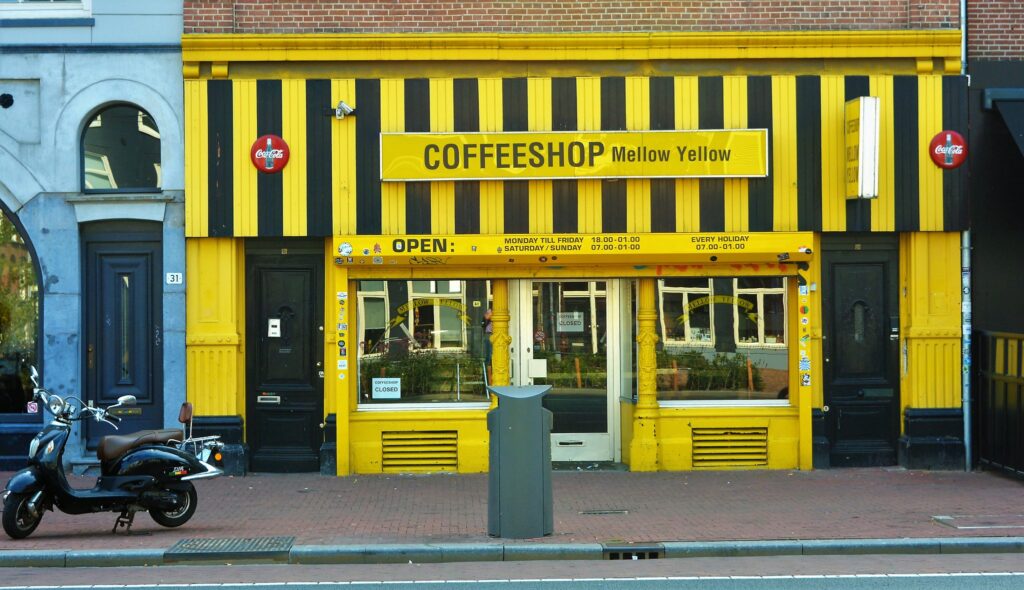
[150, 470]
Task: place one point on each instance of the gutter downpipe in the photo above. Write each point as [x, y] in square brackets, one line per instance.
[965, 279]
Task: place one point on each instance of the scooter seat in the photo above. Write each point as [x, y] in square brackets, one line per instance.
[113, 446]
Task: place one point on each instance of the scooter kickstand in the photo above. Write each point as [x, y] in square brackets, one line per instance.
[125, 520]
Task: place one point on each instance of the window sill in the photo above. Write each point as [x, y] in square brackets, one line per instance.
[716, 403]
[14, 20]
[153, 197]
[446, 406]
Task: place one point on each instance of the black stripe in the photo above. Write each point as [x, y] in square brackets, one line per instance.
[663, 190]
[417, 120]
[417, 207]
[761, 191]
[711, 115]
[319, 209]
[613, 118]
[368, 214]
[906, 152]
[858, 211]
[954, 182]
[514, 101]
[515, 117]
[466, 102]
[417, 105]
[808, 153]
[220, 146]
[269, 187]
[565, 193]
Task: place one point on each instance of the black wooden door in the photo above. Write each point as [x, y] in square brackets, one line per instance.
[123, 325]
[284, 396]
[861, 345]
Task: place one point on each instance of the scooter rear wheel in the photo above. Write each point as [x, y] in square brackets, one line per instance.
[181, 515]
[18, 520]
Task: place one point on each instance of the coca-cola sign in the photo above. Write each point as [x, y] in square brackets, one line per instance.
[948, 149]
[269, 154]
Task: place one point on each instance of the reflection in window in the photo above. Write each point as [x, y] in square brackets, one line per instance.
[422, 341]
[693, 366]
[121, 151]
[126, 327]
[19, 318]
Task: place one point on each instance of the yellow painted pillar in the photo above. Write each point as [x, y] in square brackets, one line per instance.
[500, 338]
[644, 448]
[340, 358]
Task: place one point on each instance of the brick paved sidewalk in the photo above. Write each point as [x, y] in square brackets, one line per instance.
[700, 506]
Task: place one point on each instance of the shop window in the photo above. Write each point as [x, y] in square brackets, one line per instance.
[422, 341]
[760, 311]
[121, 151]
[45, 8]
[19, 318]
[686, 311]
[749, 368]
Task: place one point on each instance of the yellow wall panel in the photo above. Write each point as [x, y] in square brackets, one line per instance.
[737, 210]
[833, 153]
[883, 210]
[492, 193]
[784, 153]
[638, 118]
[442, 119]
[392, 120]
[343, 161]
[197, 213]
[293, 126]
[675, 434]
[931, 375]
[214, 341]
[929, 101]
[538, 95]
[588, 114]
[245, 132]
[687, 189]
[471, 425]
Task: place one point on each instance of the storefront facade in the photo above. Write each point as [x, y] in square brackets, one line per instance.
[655, 225]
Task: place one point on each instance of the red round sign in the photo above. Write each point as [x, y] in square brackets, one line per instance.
[269, 154]
[948, 149]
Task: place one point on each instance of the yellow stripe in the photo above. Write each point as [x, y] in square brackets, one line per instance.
[687, 189]
[588, 113]
[883, 210]
[294, 182]
[244, 133]
[197, 159]
[442, 194]
[392, 119]
[734, 97]
[929, 109]
[343, 162]
[784, 153]
[833, 149]
[539, 100]
[638, 117]
[492, 199]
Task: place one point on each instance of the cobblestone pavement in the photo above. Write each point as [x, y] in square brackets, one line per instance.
[589, 507]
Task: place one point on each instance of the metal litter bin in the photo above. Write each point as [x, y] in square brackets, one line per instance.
[519, 479]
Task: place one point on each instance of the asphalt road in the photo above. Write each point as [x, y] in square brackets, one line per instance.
[911, 572]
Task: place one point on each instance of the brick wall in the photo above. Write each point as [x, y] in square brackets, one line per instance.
[995, 29]
[555, 16]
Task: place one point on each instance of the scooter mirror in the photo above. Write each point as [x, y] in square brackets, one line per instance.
[126, 400]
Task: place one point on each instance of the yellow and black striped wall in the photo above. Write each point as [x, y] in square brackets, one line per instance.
[332, 186]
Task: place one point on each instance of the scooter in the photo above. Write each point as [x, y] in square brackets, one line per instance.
[150, 470]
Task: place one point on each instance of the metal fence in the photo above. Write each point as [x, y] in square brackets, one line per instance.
[1000, 400]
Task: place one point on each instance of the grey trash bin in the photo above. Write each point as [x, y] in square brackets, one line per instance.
[519, 479]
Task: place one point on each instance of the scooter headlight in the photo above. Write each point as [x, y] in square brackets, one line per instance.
[56, 405]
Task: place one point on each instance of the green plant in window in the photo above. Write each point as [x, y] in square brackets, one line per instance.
[722, 372]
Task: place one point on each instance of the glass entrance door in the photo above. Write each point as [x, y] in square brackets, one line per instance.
[564, 342]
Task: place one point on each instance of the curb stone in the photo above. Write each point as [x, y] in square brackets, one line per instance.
[462, 552]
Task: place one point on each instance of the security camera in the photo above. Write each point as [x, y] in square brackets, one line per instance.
[342, 110]
[803, 250]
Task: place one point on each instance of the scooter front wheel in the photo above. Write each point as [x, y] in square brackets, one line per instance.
[181, 514]
[19, 522]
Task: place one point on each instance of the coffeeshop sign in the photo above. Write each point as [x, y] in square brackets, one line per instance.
[574, 155]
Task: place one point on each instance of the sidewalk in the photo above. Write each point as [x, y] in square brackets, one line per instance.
[736, 511]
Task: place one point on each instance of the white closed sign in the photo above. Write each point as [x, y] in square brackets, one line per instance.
[570, 321]
[386, 388]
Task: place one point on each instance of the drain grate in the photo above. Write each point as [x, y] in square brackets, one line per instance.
[276, 548]
[600, 512]
[633, 551]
